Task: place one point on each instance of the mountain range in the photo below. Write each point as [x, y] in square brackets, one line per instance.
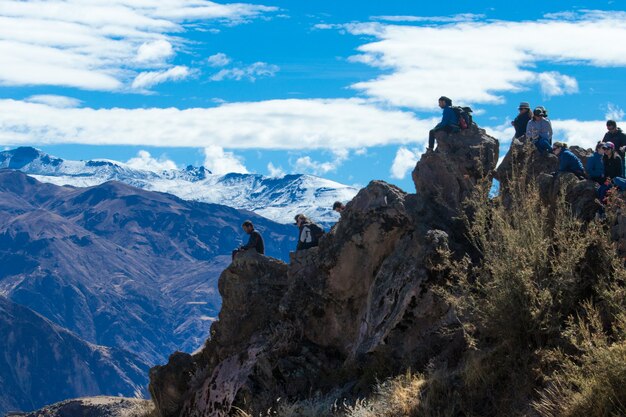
[278, 199]
[41, 363]
[112, 265]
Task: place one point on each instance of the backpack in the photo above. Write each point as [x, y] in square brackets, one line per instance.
[464, 115]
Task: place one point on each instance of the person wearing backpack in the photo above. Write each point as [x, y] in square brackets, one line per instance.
[309, 233]
[539, 131]
[449, 121]
[521, 121]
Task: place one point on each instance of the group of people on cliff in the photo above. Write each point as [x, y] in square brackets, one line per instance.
[605, 166]
[309, 234]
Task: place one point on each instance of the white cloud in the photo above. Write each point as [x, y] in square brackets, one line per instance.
[404, 161]
[155, 52]
[148, 79]
[146, 162]
[220, 162]
[308, 165]
[614, 112]
[274, 124]
[476, 62]
[98, 44]
[62, 102]
[275, 172]
[251, 72]
[219, 60]
[555, 84]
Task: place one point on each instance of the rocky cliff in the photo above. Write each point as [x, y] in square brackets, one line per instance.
[360, 305]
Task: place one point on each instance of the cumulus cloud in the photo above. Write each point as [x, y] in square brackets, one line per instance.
[275, 172]
[220, 162]
[555, 84]
[404, 161]
[422, 62]
[148, 79]
[250, 73]
[614, 112]
[274, 124]
[62, 102]
[307, 165]
[145, 161]
[155, 52]
[463, 17]
[97, 44]
[219, 60]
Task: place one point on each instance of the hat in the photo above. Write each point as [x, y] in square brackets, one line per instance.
[609, 145]
[538, 111]
[524, 105]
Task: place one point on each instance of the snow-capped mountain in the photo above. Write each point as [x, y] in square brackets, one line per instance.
[278, 199]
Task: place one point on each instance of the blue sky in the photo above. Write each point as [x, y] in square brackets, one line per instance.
[342, 89]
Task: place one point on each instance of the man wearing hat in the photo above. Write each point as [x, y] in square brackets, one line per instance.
[449, 121]
[521, 121]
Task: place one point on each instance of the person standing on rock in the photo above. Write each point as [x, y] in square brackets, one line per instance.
[615, 135]
[521, 121]
[255, 240]
[308, 232]
[568, 162]
[539, 130]
[449, 121]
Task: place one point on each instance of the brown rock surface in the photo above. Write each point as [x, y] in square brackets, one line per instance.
[360, 304]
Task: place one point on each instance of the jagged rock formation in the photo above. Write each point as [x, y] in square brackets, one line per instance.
[522, 161]
[361, 304]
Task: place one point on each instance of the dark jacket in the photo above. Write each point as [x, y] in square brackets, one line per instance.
[568, 162]
[521, 122]
[255, 241]
[595, 166]
[309, 235]
[448, 118]
[613, 167]
[618, 138]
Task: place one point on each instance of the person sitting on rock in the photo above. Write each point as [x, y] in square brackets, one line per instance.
[568, 162]
[255, 240]
[615, 135]
[595, 164]
[309, 233]
[338, 206]
[521, 121]
[613, 166]
[449, 121]
[539, 130]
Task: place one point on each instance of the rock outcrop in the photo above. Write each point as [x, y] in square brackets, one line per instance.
[523, 162]
[360, 305]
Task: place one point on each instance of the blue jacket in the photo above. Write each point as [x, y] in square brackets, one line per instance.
[568, 162]
[595, 166]
[448, 118]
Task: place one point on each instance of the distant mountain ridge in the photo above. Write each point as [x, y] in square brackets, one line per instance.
[120, 266]
[278, 199]
[41, 363]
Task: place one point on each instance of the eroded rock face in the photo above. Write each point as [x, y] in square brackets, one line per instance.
[363, 297]
[447, 176]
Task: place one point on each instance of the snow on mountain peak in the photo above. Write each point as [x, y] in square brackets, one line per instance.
[278, 199]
